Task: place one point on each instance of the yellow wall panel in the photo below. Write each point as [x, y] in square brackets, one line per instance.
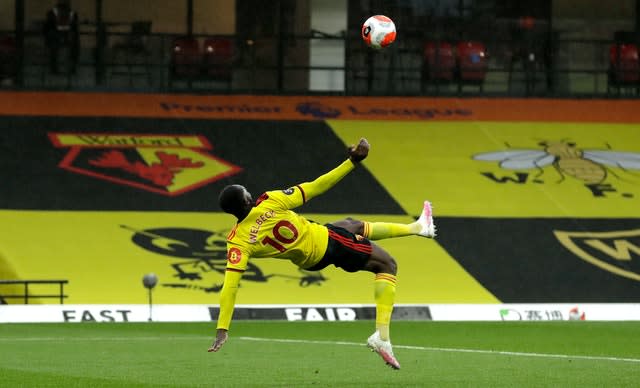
[434, 160]
[96, 253]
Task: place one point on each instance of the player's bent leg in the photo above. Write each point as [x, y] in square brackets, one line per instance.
[385, 267]
[384, 286]
[380, 261]
[354, 253]
[353, 226]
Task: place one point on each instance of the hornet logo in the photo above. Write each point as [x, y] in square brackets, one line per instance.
[163, 164]
[592, 167]
[317, 110]
[200, 258]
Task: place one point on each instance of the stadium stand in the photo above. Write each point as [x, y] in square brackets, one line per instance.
[8, 58]
[186, 59]
[624, 64]
[132, 55]
[218, 58]
[471, 60]
[438, 63]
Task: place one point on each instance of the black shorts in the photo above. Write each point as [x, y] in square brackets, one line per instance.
[346, 250]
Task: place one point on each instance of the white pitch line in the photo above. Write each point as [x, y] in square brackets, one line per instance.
[80, 339]
[453, 350]
[318, 342]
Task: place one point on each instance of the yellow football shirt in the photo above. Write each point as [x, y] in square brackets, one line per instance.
[272, 229]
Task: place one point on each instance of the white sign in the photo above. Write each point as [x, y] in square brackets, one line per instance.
[536, 312]
[104, 313]
[437, 312]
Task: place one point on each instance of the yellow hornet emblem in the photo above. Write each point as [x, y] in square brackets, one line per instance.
[589, 166]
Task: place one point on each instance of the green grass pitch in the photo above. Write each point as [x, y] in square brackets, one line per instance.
[331, 354]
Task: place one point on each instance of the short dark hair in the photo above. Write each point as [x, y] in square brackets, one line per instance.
[231, 199]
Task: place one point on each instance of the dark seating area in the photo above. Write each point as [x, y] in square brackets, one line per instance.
[218, 56]
[209, 60]
[8, 58]
[471, 60]
[131, 54]
[624, 63]
[492, 48]
[462, 63]
[439, 62]
[186, 57]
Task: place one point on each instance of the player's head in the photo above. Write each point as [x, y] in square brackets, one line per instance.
[235, 199]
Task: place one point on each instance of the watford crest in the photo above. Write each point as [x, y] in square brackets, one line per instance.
[164, 164]
[617, 252]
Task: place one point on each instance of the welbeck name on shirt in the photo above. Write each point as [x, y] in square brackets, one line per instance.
[255, 228]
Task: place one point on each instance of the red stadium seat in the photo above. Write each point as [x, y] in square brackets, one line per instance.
[439, 62]
[471, 58]
[186, 58]
[624, 65]
[218, 58]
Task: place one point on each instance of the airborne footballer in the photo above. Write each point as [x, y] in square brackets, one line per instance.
[269, 228]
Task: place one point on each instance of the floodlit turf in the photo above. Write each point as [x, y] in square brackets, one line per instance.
[432, 354]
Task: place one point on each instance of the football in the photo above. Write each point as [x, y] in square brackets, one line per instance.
[378, 31]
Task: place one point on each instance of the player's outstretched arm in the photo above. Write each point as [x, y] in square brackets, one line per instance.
[227, 304]
[326, 181]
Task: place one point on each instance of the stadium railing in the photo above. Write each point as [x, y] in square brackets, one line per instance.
[26, 295]
[281, 65]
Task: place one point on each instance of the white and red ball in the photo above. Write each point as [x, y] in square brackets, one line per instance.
[378, 31]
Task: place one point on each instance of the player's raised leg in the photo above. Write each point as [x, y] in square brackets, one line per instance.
[424, 226]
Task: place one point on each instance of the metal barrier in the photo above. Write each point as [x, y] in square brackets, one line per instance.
[26, 296]
[573, 68]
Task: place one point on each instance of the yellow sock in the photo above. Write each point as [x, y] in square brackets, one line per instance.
[385, 292]
[380, 230]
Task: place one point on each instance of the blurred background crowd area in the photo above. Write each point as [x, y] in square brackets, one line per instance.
[555, 48]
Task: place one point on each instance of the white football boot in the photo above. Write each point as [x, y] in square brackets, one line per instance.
[383, 348]
[426, 221]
